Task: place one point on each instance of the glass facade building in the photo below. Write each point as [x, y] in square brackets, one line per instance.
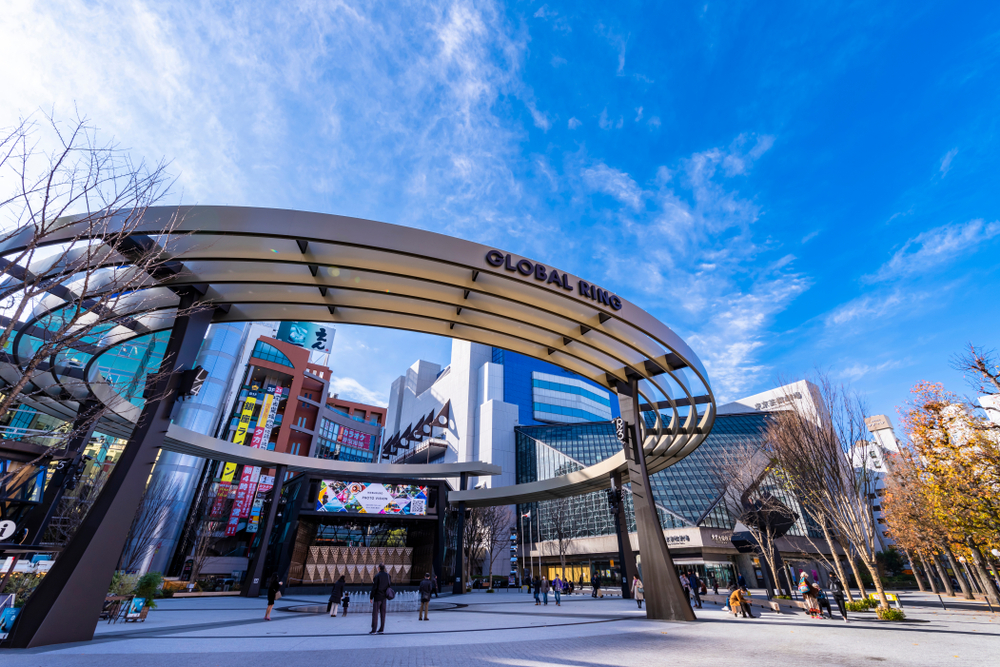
[687, 494]
[544, 393]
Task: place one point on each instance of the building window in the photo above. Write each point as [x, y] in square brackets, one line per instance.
[567, 412]
[570, 389]
[301, 422]
[266, 352]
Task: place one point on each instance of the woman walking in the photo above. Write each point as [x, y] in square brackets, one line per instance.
[808, 595]
[338, 593]
[273, 593]
[637, 590]
[545, 590]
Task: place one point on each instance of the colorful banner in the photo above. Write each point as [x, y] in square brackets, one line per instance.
[254, 523]
[265, 485]
[353, 438]
[221, 495]
[241, 431]
[371, 498]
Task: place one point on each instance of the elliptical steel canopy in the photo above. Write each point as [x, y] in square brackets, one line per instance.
[268, 264]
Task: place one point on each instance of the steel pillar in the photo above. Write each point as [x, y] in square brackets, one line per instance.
[661, 586]
[67, 603]
[83, 427]
[459, 587]
[256, 570]
[626, 557]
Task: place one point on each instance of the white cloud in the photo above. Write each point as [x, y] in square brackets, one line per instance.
[574, 123]
[606, 123]
[351, 390]
[946, 161]
[638, 114]
[874, 307]
[857, 371]
[935, 247]
[386, 114]
[696, 263]
[618, 184]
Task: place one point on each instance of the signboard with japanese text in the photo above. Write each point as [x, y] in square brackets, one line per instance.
[313, 337]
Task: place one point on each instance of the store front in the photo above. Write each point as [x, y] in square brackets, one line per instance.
[335, 528]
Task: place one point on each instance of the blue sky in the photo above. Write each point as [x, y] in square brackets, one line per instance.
[790, 186]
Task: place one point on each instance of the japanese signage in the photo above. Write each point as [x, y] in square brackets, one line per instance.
[311, 336]
[353, 438]
[371, 498]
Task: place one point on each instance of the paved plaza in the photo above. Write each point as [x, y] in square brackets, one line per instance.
[506, 628]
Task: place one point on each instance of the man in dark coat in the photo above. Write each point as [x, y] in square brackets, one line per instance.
[338, 593]
[595, 582]
[380, 584]
[425, 589]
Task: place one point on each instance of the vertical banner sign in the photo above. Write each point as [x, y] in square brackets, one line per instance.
[221, 494]
[241, 431]
[254, 521]
[245, 504]
[266, 484]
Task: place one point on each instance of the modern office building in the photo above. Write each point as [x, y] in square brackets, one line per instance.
[688, 496]
[872, 459]
[279, 401]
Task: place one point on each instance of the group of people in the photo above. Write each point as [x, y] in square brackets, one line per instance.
[542, 586]
[816, 598]
[694, 588]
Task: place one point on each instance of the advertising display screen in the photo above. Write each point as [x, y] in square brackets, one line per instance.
[371, 498]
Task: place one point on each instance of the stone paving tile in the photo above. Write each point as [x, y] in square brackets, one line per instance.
[491, 631]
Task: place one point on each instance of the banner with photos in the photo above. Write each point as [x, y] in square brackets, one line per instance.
[371, 498]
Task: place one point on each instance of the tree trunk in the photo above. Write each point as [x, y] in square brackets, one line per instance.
[958, 573]
[984, 572]
[877, 580]
[930, 574]
[949, 590]
[857, 576]
[836, 563]
[974, 582]
[916, 572]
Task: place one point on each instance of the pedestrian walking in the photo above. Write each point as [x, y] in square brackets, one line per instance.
[434, 582]
[545, 590]
[557, 589]
[686, 585]
[695, 588]
[425, 589]
[595, 581]
[822, 601]
[336, 596]
[637, 590]
[740, 581]
[536, 584]
[715, 585]
[837, 589]
[806, 591]
[273, 593]
[381, 585]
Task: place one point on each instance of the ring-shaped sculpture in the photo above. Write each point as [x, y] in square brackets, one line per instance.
[267, 264]
[259, 264]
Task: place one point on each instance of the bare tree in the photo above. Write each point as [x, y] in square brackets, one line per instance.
[153, 510]
[473, 541]
[495, 521]
[814, 456]
[741, 471]
[557, 515]
[74, 506]
[74, 271]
